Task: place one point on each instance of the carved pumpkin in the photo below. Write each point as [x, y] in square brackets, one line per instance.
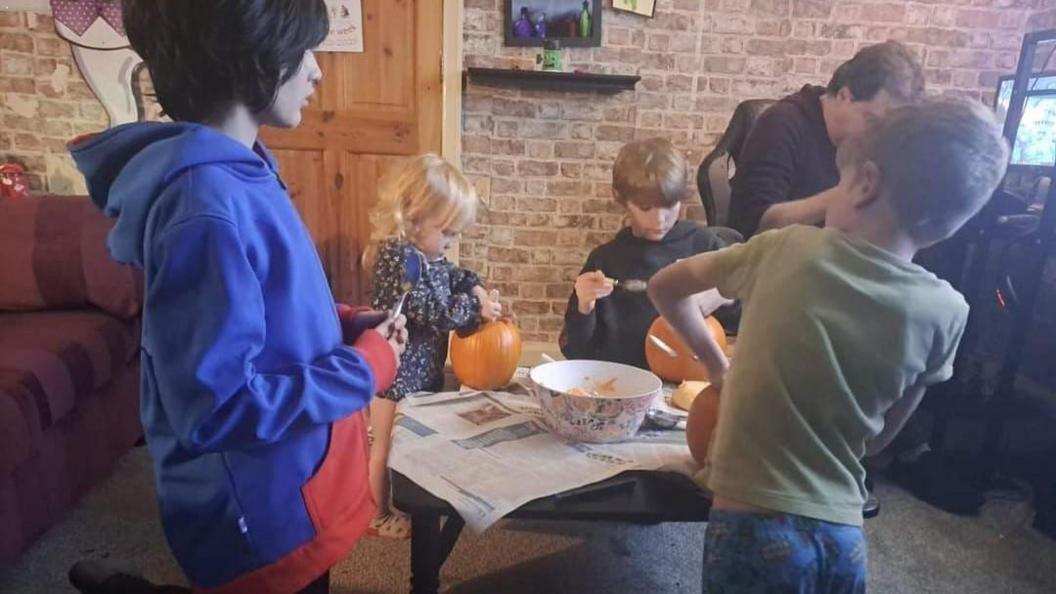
[700, 426]
[486, 358]
[682, 367]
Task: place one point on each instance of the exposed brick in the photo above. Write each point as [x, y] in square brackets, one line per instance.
[812, 9]
[15, 64]
[618, 114]
[684, 43]
[40, 22]
[734, 24]
[540, 149]
[476, 144]
[538, 168]
[534, 291]
[568, 188]
[976, 19]
[17, 42]
[725, 64]
[507, 147]
[509, 255]
[12, 19]
[575, 221]
[537, 204]
[620, 133]
[580, 110]
[531, 307]
[536, 274]
[542, 129]
[659, 42]
[541, 257]
[514, 108]
[27, 142]
[883, 13]
[551, 324]
[772, 7]
[13, 122]
[780, 28]
[17, 85]
[574, 150]
[573, 170]
[506, 186]
[93, 112]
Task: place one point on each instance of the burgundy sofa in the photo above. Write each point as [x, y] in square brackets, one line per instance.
[69, 362]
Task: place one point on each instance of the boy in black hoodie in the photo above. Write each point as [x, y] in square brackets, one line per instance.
[605, 320]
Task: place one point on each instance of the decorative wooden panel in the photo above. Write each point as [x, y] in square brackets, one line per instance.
[372, 110]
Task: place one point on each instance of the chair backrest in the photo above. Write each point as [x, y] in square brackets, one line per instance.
[713, 176]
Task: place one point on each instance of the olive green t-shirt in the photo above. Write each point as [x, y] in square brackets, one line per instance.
[833, 332]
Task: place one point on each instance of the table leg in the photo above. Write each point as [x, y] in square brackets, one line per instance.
[426, 549]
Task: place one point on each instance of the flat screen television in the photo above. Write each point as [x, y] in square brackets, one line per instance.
[1036, 139]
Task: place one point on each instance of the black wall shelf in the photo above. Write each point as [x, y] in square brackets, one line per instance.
[552, 81]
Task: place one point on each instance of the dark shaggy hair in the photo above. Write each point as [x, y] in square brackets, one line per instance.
[205, 56]
[888, 66]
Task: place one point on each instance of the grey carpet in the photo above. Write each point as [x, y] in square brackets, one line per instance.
[913, 549]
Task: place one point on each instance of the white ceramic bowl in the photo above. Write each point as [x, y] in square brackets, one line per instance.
[604, 419]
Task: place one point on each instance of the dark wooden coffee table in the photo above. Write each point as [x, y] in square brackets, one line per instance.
[641, 497]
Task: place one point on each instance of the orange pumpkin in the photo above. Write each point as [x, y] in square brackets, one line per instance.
[703, 416]
[486, 358]
[682, 367]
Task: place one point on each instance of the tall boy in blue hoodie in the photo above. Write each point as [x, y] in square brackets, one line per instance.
[252, 403]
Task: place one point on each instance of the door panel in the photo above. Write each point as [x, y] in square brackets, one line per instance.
[371, 111]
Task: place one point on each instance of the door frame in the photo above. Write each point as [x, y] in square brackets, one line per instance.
[451, 120]
[452, 81]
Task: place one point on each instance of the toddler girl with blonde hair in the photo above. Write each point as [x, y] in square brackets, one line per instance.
[423, 208]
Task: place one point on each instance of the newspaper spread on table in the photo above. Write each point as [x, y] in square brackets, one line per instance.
[489, 453]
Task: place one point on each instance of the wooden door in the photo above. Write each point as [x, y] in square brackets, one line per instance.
[370, 111]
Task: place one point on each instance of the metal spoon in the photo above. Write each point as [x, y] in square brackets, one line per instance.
[666, 348]
[412, 273]
[631, 285]
[662, 420]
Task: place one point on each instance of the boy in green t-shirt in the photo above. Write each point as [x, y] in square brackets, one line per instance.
[841, 334]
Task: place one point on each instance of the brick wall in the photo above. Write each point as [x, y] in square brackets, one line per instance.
[44, 102]
[1043, 19]
[543, 160]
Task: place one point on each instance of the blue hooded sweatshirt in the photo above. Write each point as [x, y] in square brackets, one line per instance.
[251, 404]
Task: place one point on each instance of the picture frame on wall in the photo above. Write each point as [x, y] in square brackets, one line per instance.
[646, 8]
[572, 23]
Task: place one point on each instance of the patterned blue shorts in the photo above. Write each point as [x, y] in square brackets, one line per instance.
[747, 553]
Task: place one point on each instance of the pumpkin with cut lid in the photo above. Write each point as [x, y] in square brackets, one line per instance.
[486, 358]
[677, 363]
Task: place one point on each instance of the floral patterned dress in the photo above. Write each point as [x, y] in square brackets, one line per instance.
[441, 301]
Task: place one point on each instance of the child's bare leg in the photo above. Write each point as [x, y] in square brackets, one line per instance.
[389, 523]
[382, 414]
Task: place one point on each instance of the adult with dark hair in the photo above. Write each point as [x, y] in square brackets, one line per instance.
[787, 175]
[789, 158]
[252, 404]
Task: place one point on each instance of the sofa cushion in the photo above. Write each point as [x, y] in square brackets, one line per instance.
[49, 360]
[55, 257]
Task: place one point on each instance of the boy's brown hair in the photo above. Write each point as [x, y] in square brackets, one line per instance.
[939, 162]
[650, 173]
[888, 66]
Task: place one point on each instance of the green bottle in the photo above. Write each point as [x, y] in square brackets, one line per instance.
[584, 20]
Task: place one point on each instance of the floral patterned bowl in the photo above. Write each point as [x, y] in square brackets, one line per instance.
[624, 395]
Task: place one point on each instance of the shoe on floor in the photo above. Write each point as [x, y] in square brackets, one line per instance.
[933, 480]
[96, 577]
[393, 524]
